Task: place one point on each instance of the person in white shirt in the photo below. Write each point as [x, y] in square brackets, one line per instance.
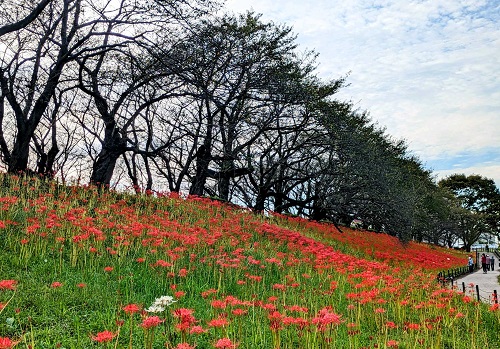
[470, 263]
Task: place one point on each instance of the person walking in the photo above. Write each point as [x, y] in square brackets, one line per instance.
[488, 262]
[483, 263]
[470, 263]
[492, 262]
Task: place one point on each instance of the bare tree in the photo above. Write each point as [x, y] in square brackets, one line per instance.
[235, 67]
[125, 80]
[30, 70]
[23, 22]
[34, 62]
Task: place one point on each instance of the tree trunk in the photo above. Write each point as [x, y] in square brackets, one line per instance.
[318, 213]
[202, 162]
[278, 200]
[46, 164]
[260, 201]
[20, 154]
[114, 146]
[224, 179]
[203, 157]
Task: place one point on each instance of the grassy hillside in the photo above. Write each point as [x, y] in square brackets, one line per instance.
[79, 269]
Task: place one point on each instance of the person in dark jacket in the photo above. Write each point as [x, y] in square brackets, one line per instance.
[483, 263]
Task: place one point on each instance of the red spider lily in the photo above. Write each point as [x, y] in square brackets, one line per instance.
[366, 277]
[219, 322]
[162, 263]
[105, 336]
[186, 319]
[197, 330]
[184, 314]
[218, 304]
[325, 318]
[108, 269]
[81, 285]
[255, 278]
[151, 321]
[225, 343]
[297, 308]
[131, 308]
[56, 284]
[301, 323]
[179, 294]
[392, 343]
[184, 346]
[8, 284]
[233, 301]
[412, 326]
[7, 343]
[206, 293]
[239, 312]
[279, 287]
[381, 246]
[275, 320]
[390, 324]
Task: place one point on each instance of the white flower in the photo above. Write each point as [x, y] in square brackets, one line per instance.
[164, 301]
[155, 308]
[160, 304]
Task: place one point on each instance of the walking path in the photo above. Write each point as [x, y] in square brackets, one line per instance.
[487, 283]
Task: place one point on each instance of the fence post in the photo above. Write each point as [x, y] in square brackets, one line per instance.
[477, 290]
[463, 286]
[495, 296]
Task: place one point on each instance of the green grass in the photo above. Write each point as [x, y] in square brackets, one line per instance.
[275, 282]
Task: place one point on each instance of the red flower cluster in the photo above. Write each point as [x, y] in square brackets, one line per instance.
[7, 343]
[151, 321]
[325, 318]
[105, 336]
[8, 284]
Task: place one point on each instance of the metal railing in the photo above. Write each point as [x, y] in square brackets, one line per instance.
[451, 274]
[478, 295]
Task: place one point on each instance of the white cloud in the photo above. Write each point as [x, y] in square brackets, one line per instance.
[427, 70]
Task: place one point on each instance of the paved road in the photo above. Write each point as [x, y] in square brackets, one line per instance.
[487, 284]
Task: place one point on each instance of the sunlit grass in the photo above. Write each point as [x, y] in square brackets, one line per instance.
[82, 269]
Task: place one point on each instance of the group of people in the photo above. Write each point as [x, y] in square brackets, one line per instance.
[487, 262]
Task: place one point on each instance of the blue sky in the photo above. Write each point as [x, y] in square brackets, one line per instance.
[426, 70]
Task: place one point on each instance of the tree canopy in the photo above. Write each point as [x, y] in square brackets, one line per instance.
[477, 206]
[161, 96]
